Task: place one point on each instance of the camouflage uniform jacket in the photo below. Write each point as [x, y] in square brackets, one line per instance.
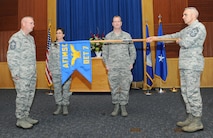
[120, 55]
[54, 58]
[191, 46]
[21, 55]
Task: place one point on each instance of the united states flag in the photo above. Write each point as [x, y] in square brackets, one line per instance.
[47, 72]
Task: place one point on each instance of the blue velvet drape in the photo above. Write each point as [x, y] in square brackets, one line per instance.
[81, 18]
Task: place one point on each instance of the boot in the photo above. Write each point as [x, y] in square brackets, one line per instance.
[31, 121]
[195, 125]
[123, 111]
[58, 110]
[116, 110]
[22, 123]
[65, 110]
[186, 122]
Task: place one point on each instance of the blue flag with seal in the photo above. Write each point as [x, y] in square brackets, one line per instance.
[149, 69]
[75, 55]
[161, 62]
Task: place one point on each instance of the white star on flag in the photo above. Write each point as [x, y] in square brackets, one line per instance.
[161, 58]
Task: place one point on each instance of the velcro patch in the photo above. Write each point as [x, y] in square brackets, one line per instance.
[194, 32]
[12, 45]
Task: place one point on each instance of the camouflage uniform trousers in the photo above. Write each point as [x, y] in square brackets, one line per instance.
[120, 80]
[61, 92]
[25, 89]
[190, 90]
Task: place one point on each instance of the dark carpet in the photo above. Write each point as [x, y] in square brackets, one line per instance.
[152, 116]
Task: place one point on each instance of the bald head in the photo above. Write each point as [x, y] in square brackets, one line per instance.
[27, 24]
[26, 19]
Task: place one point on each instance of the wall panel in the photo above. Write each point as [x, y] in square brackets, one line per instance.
[208, 46]
[40, 37]
[176, 9]
[205, 9]
[170, 10]
[11, 12]
[4, 36]
[172, 21]
[8, 15]
[38, 10]
[35, 8]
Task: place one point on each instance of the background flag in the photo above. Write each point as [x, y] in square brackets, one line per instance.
[161, 63]
[75, 55]
[47, 72]
[149, 69]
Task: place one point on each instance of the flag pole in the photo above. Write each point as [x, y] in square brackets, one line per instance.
[50, 92]
[144, 65]
[147, 92]
[146, 73]
[135, 86]
[131, 40]
[47, 73]
[160, 89]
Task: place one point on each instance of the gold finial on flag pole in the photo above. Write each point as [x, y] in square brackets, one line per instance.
[146, 21]
[159, 18]
[49, 23]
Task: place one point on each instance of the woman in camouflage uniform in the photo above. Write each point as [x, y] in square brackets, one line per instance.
[61, 92]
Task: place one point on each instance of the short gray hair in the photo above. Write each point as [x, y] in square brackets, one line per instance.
[194, 10]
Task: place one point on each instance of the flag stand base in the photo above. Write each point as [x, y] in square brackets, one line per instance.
[135, 86]
[148, 93]
[161, 91]
[50, 92]
[173, 89]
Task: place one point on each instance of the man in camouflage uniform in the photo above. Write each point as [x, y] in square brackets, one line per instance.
[119, 60]
[191, 64]
[61, 92]
[21, 58]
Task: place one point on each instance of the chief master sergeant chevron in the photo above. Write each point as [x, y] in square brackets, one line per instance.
[191, 64]
[21, 59]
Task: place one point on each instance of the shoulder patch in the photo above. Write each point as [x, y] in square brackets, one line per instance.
[194, 32]
[12, 45]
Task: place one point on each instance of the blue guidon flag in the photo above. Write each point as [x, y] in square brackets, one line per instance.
[75, 55]
[161, 61]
